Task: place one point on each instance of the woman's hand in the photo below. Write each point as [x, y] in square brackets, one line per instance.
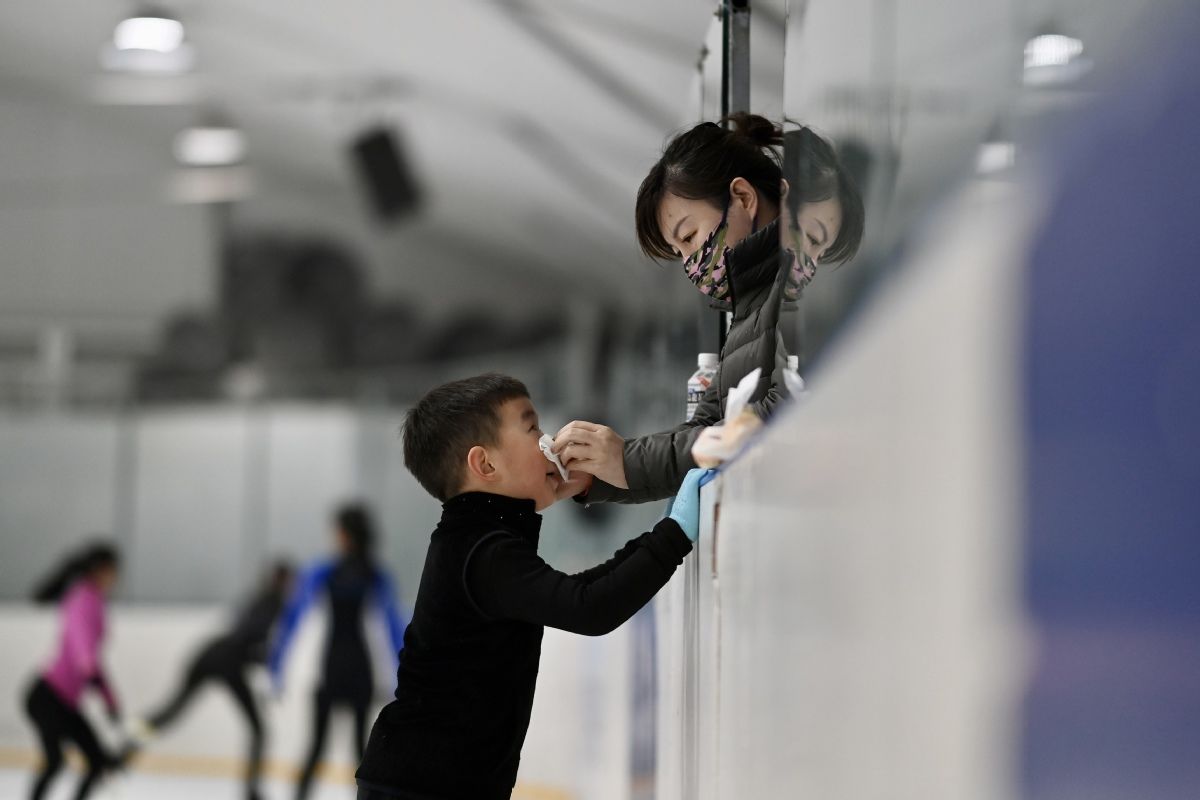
[595, 449]
[718, 443]
[577, 483]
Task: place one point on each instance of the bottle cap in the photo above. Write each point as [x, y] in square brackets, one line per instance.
[708, 361]
[793, 363]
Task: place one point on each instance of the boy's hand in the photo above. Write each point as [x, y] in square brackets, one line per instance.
[595, 449]
[686, 508]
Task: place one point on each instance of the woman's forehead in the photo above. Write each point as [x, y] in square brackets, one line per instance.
[828, 210]
[674, 208]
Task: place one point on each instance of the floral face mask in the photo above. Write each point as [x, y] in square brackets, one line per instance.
[800, 274]
[706, 267]
[801, 268]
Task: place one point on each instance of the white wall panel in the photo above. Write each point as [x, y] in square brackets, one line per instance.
[56, 490]
[849, 625]
[190, 493]
[311, 467]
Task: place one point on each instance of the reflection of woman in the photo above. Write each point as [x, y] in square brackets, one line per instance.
[225, 660]
[82, 584]
[351, 584]
[826, 220]
[713, 200]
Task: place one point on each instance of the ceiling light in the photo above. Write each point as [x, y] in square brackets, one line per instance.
[1051, 50]
[1052, 57]
[210, 146]
[157, 33]
[148, 42]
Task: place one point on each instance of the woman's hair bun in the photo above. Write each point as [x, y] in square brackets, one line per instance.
[759, 130]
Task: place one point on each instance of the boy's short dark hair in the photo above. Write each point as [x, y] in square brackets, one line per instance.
[447, 422]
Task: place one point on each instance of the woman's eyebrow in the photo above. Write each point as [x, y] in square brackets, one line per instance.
[675, 233]
[824, 231]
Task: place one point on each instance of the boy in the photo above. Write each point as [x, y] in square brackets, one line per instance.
[470, 658]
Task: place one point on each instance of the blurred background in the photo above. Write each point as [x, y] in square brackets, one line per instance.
[238, 239]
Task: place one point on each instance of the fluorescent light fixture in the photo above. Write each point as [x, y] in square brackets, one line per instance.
[1054, 58]
[995, 156]
[1052, 50]
[149, 42]
[158, 34]
[210, 146]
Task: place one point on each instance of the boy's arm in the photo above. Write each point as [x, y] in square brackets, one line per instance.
[507, 579]
[600, 570]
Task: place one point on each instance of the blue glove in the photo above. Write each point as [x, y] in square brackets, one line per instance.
[686, 508]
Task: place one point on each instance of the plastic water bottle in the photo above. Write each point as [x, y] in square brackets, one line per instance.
[702, 378]
[792, 379]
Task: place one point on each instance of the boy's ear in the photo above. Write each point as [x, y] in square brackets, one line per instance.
[479, 464]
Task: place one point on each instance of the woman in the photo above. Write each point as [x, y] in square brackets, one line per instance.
[713, 201]
[81, 586]
[351, 583]
[225, 660]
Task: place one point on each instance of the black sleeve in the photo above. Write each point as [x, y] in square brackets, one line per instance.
[258, 616]
[508, 580]
[619, 557]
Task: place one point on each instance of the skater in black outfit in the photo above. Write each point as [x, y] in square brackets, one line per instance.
[353, 584]
[225, 661]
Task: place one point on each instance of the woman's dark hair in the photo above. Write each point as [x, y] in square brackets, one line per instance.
[80, 564]
[355, 521]
[815, 173]
[699, 164]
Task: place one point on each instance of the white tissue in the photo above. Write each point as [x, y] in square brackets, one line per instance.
[794, 384]
[740, 395]
[545, 443]
[722, 441]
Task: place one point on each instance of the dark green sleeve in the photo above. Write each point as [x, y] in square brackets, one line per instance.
[656, 464]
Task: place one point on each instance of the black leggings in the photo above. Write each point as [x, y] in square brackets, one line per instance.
[235, 681]
[57, 722]
[322, 706]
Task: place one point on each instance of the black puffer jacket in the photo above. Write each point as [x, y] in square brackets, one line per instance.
[656, 464]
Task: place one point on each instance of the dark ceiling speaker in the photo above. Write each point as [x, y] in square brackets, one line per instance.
[384, 171]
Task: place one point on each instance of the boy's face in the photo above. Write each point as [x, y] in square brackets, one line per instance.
[520, 468]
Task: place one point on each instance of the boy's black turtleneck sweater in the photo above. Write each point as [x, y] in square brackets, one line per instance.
[470, 658]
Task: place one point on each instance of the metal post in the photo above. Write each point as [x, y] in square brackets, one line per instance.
[737, 56]
[735, 82]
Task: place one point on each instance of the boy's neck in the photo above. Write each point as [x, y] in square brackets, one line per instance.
[478, 487]
[483, 493]
[515, 512]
